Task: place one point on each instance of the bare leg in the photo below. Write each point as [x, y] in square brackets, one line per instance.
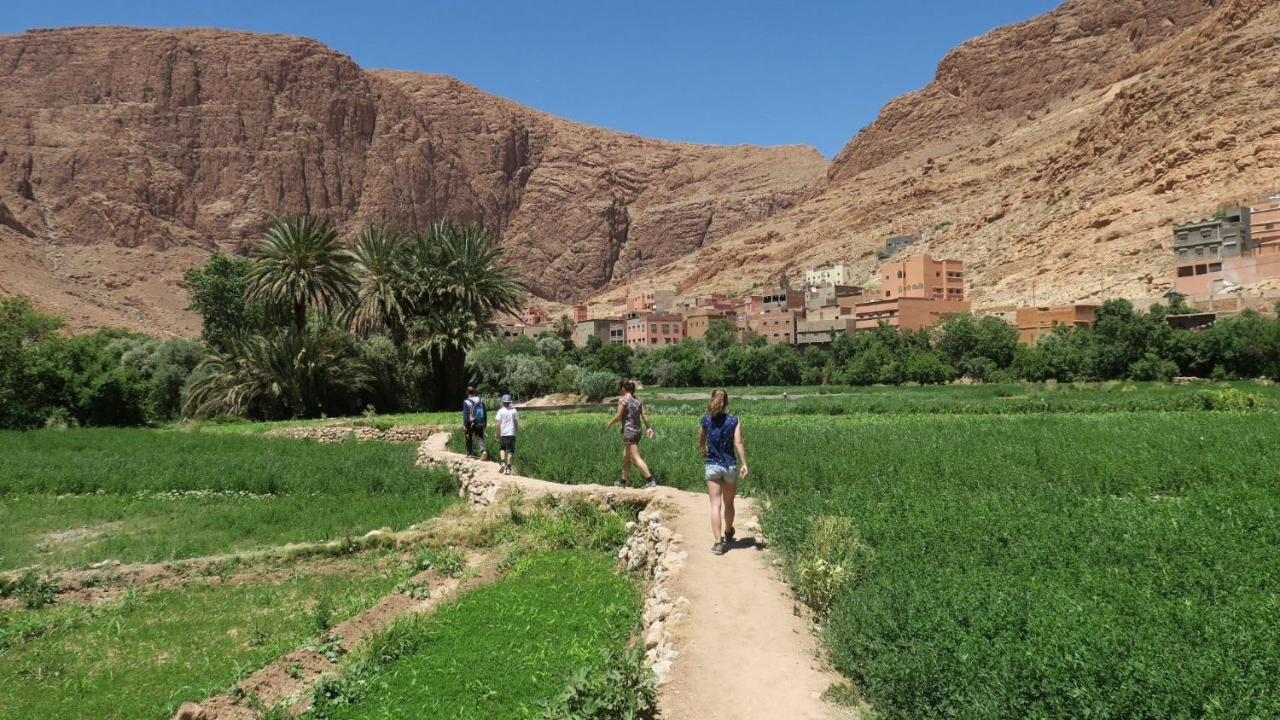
[717, 504]
[626, 464]
[730, 492]
[638, 461]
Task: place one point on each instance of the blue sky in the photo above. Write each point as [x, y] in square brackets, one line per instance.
[765, 72]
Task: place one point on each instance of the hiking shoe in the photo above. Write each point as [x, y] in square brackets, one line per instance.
[651, 483]
[728, 536]
[719, 548]
[619, 484]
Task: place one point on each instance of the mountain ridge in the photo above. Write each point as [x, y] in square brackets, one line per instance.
[127, 155]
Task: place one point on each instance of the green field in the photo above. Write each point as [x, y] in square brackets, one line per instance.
[1106, 564]
[424, 418]
[144, 655]
[991, 399]
[73, 497]
[499, 651]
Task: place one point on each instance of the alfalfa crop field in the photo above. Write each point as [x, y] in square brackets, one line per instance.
[966, 562]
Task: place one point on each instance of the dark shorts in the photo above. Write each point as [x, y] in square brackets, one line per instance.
[631, 438]
[508, 444]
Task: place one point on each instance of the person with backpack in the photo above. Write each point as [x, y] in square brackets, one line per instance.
[720, 441]
[632, 415]
[508, 426]
[474, 418]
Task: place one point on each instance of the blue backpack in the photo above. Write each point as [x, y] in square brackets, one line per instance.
[478, 414]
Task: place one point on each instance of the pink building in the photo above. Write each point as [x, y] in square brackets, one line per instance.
[654, 330]
[922, 277]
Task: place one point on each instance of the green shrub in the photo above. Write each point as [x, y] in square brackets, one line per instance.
[619, 687]
[449, 563]
[597, 384]
[1230, 399]
[34, 588]
[831, 559]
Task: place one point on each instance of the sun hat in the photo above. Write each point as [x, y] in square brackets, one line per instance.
[506, 399]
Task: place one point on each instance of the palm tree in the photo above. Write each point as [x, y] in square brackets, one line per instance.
[299, 264]
[287, 374]
[378, 305]
[564, 327]
[453, 285]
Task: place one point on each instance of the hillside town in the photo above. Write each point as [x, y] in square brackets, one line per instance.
[1215, 260]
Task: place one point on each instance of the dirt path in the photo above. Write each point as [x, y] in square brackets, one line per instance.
[744, 652]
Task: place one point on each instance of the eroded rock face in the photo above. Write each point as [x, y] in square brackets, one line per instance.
[128, 155]
[1051, 156]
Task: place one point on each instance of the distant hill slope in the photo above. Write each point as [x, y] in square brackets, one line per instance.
[1052, 156]
[128, 155]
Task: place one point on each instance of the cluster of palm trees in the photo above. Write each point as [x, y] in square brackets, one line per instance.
[432, 294]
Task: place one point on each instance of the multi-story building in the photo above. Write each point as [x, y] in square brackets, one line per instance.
[653, 329]
[749, 305]
[816, 296]
[836, 274]
[776, 325]
[905, 313]
[1034, 323]
[534, 316]
[1264, 225]
[895, 245]
[699, 320]
[822, 330]
[781, 299]
[609, 330]
[640, 301]
[1221, 255]
[1206, 241]
[922, 277]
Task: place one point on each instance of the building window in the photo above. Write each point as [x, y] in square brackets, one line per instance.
[1215, 267]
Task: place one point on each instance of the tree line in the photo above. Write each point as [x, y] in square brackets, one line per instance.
[1122, 344]
[302, 327]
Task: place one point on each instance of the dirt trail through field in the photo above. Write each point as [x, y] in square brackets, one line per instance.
[745, 652]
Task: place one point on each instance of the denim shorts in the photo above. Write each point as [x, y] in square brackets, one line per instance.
[508, 444]
[722, 474]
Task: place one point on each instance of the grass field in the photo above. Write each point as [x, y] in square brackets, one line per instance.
[142, 656]
[73, 497]
[1029, 398]
[499, 651]
[432, 418]
[1109, 565]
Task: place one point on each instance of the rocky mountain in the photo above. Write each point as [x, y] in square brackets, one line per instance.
[1051, 156]
[128, 155]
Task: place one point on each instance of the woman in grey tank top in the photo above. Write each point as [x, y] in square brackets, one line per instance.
[632, 415]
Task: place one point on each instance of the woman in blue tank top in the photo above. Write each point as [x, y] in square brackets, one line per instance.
[721, 445]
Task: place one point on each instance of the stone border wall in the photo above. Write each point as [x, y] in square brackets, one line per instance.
[362, 433]
[653, 550]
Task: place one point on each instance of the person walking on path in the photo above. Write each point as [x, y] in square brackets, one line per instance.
[721, 444]
[474, 418]
[632, 414]
[508, 426]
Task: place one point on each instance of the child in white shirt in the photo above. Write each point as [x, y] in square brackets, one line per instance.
[508, 425]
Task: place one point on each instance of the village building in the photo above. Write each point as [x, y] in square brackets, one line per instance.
[640, 301]
[654, 329]
[836, 274]
[1034, 323]
[699, 320]
[609, 330]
